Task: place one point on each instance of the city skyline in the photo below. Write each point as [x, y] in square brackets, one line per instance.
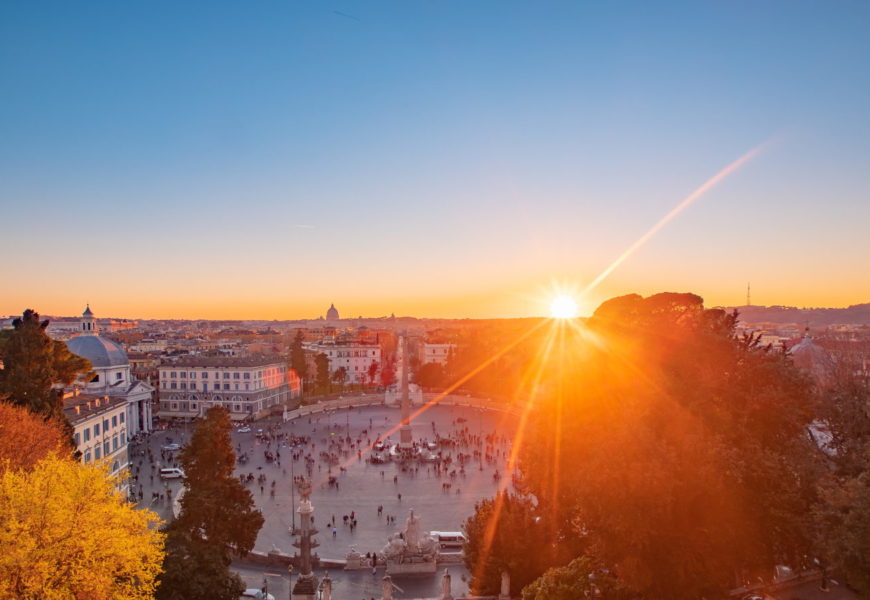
[211, 161]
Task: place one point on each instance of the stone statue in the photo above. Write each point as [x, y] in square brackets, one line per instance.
[446, 594]
[412, 531]
[327, 587]
[505, 592]
[304, 489]
[387, 587]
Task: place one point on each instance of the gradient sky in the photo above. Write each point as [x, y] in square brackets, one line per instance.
[263, 159]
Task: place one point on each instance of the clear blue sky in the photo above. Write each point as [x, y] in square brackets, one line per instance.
[257, 159]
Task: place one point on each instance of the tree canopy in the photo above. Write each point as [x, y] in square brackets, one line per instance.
[26, 438]
[217, 521]
[66, 533]
[33, 363]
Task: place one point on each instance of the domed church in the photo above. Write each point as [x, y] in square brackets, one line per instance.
[332, 313]
[112, 369]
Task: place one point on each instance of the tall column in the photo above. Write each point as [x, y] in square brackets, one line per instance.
[306, 584]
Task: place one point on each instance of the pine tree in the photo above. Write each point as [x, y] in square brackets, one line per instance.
[297, 357]
[218, 519]
[33, 363]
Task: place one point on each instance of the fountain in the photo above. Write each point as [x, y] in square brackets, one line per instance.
[411, 551]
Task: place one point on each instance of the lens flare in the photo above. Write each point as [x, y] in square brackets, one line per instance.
[563, 307]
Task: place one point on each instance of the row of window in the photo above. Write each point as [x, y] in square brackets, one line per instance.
[107, 447]
[353, 353]
[225, 374]
[116, 420]
[216, 387]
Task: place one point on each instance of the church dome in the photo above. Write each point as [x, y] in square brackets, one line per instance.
[332, 313]
[100, 351]
[813, 359]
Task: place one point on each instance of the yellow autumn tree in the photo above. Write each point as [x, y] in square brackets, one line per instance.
[67, 534]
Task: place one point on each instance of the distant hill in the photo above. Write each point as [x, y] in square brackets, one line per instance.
[857, 314]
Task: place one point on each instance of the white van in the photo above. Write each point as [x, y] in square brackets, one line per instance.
[171, 473]
[449, 539]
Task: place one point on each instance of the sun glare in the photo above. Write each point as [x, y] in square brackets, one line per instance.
[563, 307]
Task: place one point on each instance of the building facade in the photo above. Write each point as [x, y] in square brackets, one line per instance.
[112, 376]
[356, 358]
[100, 428]
[248, 387]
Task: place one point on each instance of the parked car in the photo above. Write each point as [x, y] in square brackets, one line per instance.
[171, 473]
[244, 430]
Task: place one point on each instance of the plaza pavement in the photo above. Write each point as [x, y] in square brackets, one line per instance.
[362, 487]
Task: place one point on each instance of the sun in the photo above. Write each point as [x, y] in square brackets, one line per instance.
[563, 307]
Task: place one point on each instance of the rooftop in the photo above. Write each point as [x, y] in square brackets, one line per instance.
[84, 406]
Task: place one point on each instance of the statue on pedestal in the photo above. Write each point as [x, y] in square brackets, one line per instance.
[505, 592]
[327, 587]
[412, 531]
[446, 594]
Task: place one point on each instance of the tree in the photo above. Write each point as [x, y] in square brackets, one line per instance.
[322, 381]
[340, 377]
[388, 374]
[217, 519]
[373, 371]
[676, 448]
[297, 356]
[66, 533]
[232, 524]
[581, 578]
[505, 533]
[196, 570]
[26, 439]
[431, 375]
[843, 512]
[33, 363]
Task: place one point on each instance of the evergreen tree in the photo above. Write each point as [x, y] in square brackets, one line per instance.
[297, 357]
[218, 519]
[322, 382]
[33, 364]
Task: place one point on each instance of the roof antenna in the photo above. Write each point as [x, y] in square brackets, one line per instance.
[748, 296]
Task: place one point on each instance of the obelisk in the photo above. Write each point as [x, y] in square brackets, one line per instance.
[405, 440]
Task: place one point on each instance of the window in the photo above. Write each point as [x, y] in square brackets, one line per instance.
[226, 375]
[88, 434]
[192, 386]
[247, 375]
[97, 453]
[183, 386]
[226, 386]
[193, 406]
[121, 417]
[87, 456]
[172, 375]
[114, 420]
[204, 375]
[247, 386]
[217, 386]
[236, 376]
[237, 387]
[123, 438]
[114, 443]
[106, 448]
[173, 385]
[193, 375]
[118, 376]
[183, 374]
[96, 430]
[163, 385]
[78, 439]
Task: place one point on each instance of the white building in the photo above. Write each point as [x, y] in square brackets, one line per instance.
[356, 358]
[99, 428]
[436, 353]
[249, 387]
[112, 374]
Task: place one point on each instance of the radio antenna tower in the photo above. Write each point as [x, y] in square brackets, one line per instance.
[748, 296]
